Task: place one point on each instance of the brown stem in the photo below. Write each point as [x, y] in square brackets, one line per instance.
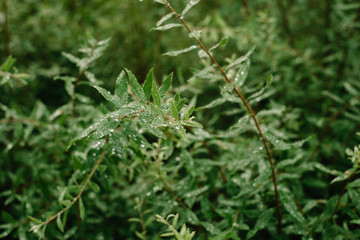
[211, 155]
[285, 22]
[80, 193]
[142, 222]
[5, 29]
[235, 220]
[327, 127]
[341, 194]
[248, 107]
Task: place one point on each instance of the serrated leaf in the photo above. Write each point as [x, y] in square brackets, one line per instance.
[174, 111]
[81, 209]
[188, 6]
[165, 85]
[94, 187]
[121, 89]
[59, 224]
[290, 206]
[137, 89]
[167, 27]
[148, 84]
[155, 94]
[178, 52]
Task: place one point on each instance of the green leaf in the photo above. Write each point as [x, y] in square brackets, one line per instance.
[281, 145]
[155, 94]
[189, 112]
[137, 89]
[81, 209]
[178, 52]
[59, 223]
[164, 19]
[190, 4]
[121, 89]
[148, 84]
[242, 73]
[179, 129]
[166, 85]
[107, 95]
[343, 176]
[180, 104]
[167, 27]
[94, 187]
[261, 222]
[139, 235]
[174, 111]
[35, 220]
[290, 206]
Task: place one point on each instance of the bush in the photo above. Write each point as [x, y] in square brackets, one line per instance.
[257, 139]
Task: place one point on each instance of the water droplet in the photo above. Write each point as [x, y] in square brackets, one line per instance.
[242, 73]
[260, 148]
[258, 99]
[148, 194]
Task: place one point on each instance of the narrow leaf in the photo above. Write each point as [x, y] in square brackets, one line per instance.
[81, 209]
[166, 85]
[137, 89]
[242, 73]
[174, 111]
[190, 4]
[107, 95]
[164, 19]
[189, 112]
[185, 50]
[291, 207]
[180, 104]
[167, 27]
[148, 84]
[121, 89]
[261, 222]
[59, 223]
[155, 94]
[35, 220]
[94, 187]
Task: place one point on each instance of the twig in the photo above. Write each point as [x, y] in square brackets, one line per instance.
[248, 107]
[142, 222]
[341, 194]
[235, 220]
[78, 196]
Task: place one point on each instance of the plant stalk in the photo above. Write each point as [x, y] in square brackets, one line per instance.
[248, 107]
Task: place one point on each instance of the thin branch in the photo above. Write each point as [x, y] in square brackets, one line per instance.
[78, 196]
[142, 222]
[248, 107]
[341, 194]
[235, 220]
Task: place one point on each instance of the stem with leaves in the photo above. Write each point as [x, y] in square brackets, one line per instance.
[248, 107]
[38, 226]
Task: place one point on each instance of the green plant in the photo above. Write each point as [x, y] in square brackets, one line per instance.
[239, 160]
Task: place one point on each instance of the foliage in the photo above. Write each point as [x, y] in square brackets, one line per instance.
[254, 134]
